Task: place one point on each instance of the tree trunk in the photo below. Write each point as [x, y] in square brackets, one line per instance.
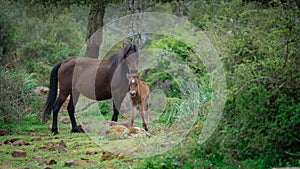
[95, 23]
[133, 33]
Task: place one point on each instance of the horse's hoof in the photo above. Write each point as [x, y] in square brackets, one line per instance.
[54, 131]
[76, 131]
[145, 126]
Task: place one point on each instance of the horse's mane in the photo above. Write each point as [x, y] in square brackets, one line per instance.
[114, 59]
[117, 58]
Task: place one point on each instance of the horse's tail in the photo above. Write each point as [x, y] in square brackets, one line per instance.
[52, 93]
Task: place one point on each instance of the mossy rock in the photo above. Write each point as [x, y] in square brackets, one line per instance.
[117, 132]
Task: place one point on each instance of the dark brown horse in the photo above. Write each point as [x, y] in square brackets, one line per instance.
[95, 79]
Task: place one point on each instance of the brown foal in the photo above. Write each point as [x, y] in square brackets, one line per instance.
[139, 97]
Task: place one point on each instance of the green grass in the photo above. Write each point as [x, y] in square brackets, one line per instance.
[186, 154]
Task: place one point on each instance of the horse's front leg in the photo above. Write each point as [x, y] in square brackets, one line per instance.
[116, 113]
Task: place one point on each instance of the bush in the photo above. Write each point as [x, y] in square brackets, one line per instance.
[6, 36]
[13, 99]
[261, 118]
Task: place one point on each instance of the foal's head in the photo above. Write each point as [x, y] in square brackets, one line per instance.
[133, 84]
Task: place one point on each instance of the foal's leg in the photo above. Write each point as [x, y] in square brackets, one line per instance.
[147, 100]
[142, 112]
[71, 110]
[59, 101]
[132, 116]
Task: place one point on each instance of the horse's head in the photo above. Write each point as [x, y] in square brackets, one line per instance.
[133, 83]
[130, 54]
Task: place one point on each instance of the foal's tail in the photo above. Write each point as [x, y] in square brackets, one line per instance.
[52, 93]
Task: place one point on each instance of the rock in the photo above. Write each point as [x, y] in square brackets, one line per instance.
[117, 132]
[91, 152]
[10, 141]
[36, 158]
[19, 153]
[36, 139]
[19, 143]
[127, 124]
[51, 162]
[62, 147]
[62, 144]
[69, 163]
[106, 155]
[135, 132]
[35, 150]
[84, 159]
[4, 132]
[44, 147]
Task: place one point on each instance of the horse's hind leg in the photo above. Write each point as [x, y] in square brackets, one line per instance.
[71, 110]
[59, 101]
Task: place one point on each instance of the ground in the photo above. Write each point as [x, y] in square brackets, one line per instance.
[45, 150]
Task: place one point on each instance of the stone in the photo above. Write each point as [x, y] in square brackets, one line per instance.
[106, 155]
[51, 162]
[69, 163]
[19, 143]
[127, 124]
[36, 158]
[19, 153]
[10, 141]
[36, 139]
[62, 147]
[117, 132]
[91, 152]
[135, 132]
